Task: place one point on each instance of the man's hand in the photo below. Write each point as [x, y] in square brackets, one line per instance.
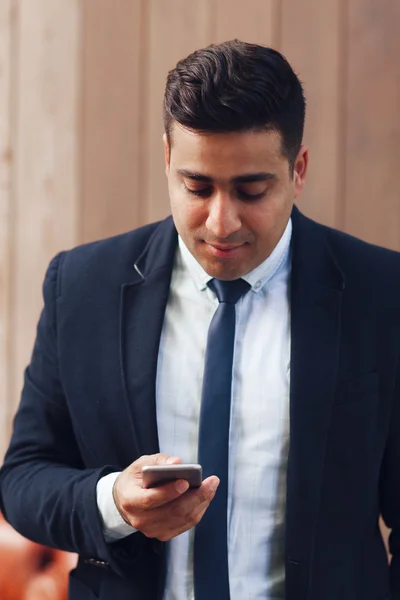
[165, 511]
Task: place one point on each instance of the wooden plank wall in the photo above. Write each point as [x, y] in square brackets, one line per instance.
[111, 74]
[39, 142]
[81, 87]
[372, 124]
[6, 120]
[319, 65]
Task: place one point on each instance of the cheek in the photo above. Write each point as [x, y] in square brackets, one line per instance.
[188, 215]
[259, 219]
[268, 219]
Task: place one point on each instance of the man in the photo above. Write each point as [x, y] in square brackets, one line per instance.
[240, 334]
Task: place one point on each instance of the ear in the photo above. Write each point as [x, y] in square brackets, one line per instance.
[300, 171]
[166, 153]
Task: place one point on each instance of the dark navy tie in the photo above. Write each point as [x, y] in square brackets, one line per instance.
[211, 580]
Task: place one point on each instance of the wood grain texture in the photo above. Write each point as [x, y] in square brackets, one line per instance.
[111, 116]
[46, 166]
[251, 21]
[372, 197]
[175, 28]
[313, 50]
[7, 22]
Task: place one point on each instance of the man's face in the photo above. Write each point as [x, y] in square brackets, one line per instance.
[231, 196]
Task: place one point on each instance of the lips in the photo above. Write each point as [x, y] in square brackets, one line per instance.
[224, 251]
[220, 247]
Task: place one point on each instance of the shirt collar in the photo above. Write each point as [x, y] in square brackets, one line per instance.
[257, 278]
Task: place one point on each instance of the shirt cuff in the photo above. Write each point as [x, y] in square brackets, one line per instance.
[114, 526]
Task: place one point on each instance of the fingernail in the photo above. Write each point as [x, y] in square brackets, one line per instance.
[170, 460]
[181, 486]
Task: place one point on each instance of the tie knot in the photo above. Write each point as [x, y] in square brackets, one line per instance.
[229, 291]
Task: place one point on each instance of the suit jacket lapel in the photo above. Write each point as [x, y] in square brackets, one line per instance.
[143, 302]
[316, 293]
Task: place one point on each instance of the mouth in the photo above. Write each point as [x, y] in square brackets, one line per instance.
[225, 250]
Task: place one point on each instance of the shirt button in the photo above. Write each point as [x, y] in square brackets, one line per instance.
[257, 285]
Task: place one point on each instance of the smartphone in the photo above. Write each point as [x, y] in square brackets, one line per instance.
[155, 475]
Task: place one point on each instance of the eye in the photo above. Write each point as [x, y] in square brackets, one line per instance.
[244, 196]
[202, 192]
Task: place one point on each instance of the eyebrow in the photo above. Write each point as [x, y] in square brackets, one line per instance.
[249, 178]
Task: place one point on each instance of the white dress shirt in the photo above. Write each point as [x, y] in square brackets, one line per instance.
[259, 427]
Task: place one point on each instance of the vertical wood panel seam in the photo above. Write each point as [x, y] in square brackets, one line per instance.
[342, 145]
[81, 120]
[6, 147]
[277, 34]
[77, 220]
[212, 20]
[143, 113]
[12, 219]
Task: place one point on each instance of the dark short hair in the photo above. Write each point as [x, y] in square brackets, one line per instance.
[236, 86]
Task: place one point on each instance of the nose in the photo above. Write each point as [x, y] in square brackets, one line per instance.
[223, 216]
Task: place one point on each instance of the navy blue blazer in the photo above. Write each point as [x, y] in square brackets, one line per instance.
[88, 408]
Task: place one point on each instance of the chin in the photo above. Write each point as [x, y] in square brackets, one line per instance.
[223, 271]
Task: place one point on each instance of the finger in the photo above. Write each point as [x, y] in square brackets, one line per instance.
[165, 459]
[152, 459]
[178, 511]
[205, 492]
[164, 534]
[152, 498]
[162, 511]
[139, 506]
[194, 519]
[168, 505]
[178, 515]
[198, 512]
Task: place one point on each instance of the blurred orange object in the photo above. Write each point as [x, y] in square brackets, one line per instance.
[29, 571]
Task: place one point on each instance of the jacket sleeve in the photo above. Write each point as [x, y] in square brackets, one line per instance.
[390, 491]
[46, 493]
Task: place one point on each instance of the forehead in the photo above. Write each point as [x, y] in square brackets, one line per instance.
[226, 153]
